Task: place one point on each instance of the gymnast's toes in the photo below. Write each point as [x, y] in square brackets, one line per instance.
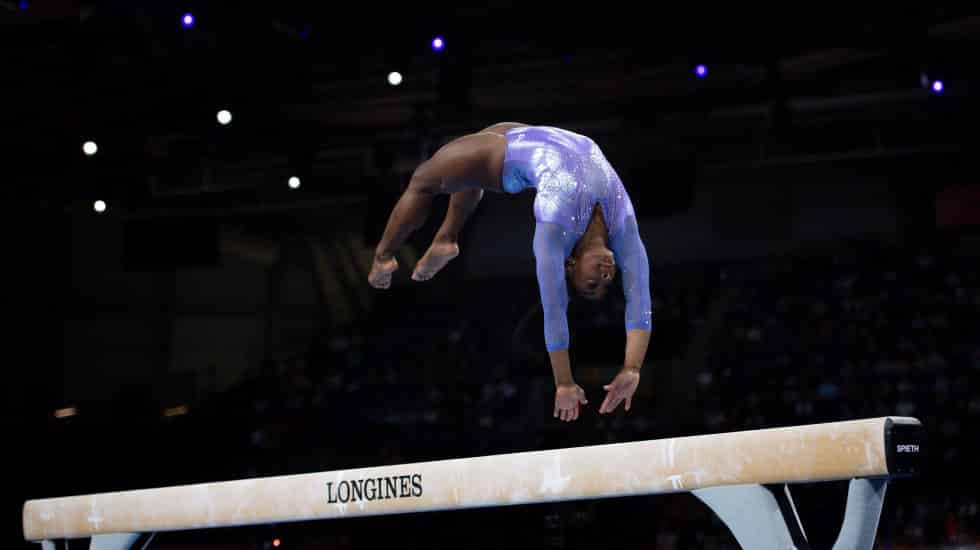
[381, 270]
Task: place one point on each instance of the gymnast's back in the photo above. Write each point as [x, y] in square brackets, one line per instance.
[570, 175]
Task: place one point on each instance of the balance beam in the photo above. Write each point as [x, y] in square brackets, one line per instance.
[874, 449]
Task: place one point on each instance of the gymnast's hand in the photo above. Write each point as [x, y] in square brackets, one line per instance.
[621, 388]
[568, 399]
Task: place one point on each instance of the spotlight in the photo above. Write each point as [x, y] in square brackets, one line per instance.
[294, 182]
[394, 78]
[224, 117]
[90, 148]
[99, 206]
[936, 86]
[22, 4]
[187, 20]
[438, 44]
[277, 543]
[701, 71]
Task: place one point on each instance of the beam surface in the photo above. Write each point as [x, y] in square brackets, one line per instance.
[796, 454]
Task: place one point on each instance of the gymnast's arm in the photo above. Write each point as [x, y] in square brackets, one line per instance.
[549, 255]
[631, 258]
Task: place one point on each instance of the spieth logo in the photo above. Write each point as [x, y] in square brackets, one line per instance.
[907, 448]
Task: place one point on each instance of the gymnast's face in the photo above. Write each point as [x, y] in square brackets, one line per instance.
[592, 273]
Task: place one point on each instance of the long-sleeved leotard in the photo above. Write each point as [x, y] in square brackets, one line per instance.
[571, 175]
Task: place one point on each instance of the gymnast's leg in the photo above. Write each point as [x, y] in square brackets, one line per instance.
[444, 246]
[408, 215]
[470, 163]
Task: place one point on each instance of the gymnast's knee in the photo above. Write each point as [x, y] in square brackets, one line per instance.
[422, 183]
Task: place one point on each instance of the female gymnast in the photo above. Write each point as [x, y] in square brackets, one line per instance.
[585, 229]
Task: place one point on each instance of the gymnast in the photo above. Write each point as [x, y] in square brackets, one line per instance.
[585, 229]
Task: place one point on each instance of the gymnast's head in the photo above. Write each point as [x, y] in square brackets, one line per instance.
[590, 271]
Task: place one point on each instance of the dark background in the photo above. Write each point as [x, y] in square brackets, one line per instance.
[810, 210]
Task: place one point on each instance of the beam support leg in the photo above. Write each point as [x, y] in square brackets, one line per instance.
[865, 497]
[766, 517]
[114, 541]
[757, 516]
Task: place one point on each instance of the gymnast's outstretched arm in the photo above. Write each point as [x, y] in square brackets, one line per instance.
[631, 257]
[551, 247]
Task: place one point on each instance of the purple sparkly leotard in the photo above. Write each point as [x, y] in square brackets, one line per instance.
[571, 175]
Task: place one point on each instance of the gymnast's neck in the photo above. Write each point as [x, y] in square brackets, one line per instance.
[596, 234]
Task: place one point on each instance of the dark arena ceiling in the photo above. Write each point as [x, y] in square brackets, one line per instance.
[307, 85]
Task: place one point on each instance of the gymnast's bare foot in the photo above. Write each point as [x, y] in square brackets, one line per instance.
[381, 270]
[436, 258]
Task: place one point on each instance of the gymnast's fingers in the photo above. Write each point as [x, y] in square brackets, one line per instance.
[605, 403]
[615, 403]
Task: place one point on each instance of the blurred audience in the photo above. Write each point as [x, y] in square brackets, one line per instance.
[857, 330]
